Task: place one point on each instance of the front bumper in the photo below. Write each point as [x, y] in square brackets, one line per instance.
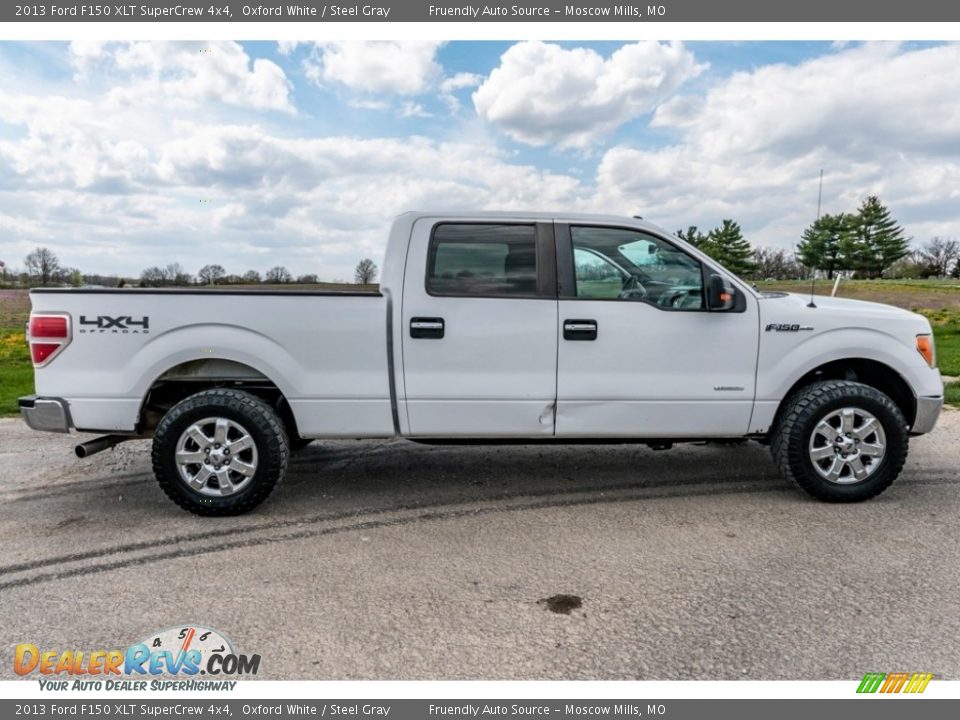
[43, 413]
[928, 410]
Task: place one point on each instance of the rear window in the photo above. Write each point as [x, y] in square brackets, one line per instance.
[483, 260]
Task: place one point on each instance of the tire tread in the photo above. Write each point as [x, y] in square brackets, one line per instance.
[257, 412]
[787, 448]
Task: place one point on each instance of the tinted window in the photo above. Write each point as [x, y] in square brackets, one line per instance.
[621, 264]
[483, 260]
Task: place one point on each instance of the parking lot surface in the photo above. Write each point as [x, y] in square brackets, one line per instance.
[391, 560]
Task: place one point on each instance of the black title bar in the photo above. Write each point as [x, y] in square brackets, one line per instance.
[524, 11]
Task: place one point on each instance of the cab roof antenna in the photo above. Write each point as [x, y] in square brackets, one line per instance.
[813, 281]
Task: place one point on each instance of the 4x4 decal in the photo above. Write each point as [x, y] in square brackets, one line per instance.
[120, 324]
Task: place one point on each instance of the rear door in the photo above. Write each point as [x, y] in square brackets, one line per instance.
[480, 329]
[640, 354]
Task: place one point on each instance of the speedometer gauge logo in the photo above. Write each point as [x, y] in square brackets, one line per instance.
[197, 642]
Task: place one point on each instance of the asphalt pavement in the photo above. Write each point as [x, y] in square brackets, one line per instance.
[391, 560]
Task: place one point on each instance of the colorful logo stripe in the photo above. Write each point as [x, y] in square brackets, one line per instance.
[894, 682]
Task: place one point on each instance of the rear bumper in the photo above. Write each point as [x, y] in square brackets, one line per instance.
[43, 413]
[928, 410]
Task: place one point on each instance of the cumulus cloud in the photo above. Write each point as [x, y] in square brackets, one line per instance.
[391, 67]
[122, 189]
[453, 84]
[878, 118]
[188, 72]
[542, 93]
[116, 185]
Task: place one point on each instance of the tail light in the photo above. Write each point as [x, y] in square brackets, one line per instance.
[47, 334]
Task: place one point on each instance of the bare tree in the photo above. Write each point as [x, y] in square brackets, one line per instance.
[939, 254]
[42, 263]
[776, 264]
[176, 275]
[366, 272]
[278, 274]
[211, 274]
[152, 277]
[251, 276]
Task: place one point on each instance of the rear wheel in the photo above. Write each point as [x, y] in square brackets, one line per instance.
[220, 452]
[841, 441]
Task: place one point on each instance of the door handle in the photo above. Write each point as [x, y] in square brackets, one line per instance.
[579, 329]
[426, 328]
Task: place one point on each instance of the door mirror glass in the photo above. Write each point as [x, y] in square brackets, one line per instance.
[721, 295]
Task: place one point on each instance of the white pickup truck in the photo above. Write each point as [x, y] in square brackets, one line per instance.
[520, 327]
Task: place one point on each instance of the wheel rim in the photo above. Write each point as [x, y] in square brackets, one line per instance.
[216, 457]
[847, 446]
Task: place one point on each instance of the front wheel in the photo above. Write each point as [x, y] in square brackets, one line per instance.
[840, 441]
[220, 452]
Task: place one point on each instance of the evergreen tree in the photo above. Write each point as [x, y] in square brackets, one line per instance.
[693, 236]
[821, 243]
[876, 240]
[727, 246]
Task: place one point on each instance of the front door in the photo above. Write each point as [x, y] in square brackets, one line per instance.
[480, 329]
[640, 354]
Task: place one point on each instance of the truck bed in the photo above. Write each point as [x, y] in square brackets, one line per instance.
[326, 351]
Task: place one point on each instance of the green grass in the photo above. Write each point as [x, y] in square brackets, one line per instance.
[16, 376]
[946, 332]
[952, 394]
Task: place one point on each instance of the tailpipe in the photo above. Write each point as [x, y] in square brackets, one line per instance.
[92, 447]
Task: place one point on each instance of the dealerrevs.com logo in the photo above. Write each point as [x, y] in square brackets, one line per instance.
[172, 659]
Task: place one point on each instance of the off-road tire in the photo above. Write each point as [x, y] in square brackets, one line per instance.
[260, 421]
[791, 436]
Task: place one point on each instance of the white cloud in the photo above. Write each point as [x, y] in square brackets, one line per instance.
[115, 185]
[542, 93]
[451, 85]
[115, 188]
[392, 67]
[361, 104]
[411, 109]
[188, 72]
[878, 119]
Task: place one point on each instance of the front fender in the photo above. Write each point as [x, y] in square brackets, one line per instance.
[782, 363]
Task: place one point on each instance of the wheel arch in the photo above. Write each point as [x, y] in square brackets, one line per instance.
[874, 373]
[188, 377]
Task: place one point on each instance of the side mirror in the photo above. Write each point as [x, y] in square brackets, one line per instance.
[720, 295]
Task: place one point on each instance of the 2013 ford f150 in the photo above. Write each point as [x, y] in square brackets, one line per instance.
[526, 327]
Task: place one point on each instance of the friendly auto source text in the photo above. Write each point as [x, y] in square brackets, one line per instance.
[572, 11]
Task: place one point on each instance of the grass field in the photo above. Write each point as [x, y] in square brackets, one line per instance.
[939, 301]
[16, 372]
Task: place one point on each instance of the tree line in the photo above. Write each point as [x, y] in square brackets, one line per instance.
[42, 267]
[867, 243]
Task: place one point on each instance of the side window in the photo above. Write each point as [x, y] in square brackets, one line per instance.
[622, 264]
[483, 260]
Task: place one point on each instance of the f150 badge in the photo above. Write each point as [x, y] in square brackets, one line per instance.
[121, 324]
[787, 327]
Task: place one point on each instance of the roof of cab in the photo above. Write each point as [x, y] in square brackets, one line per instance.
[606, 219]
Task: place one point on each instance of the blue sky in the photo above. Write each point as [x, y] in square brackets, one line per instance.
[124, 155]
